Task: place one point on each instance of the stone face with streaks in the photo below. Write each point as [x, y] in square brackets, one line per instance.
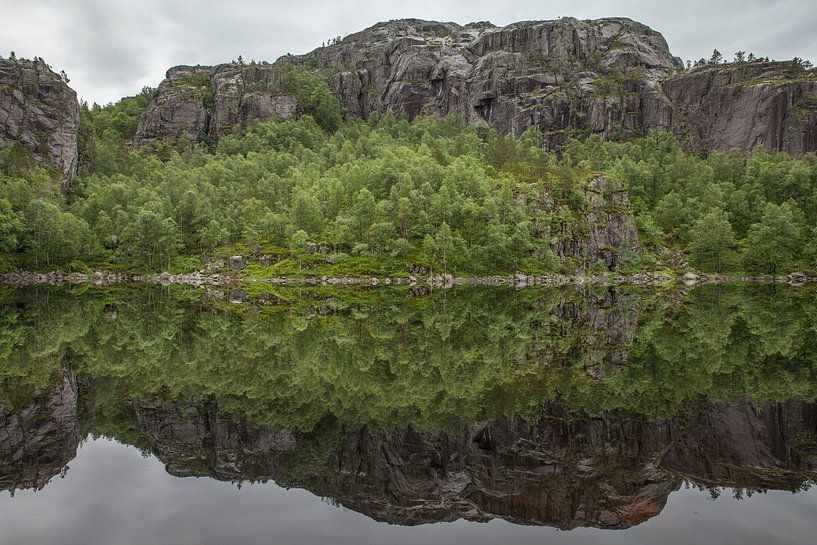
[40, 437]
[613, 77]
[39, 111]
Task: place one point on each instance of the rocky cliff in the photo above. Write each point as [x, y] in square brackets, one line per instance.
[39, 111]
[197, 104]
[743, 105]
[613, 77]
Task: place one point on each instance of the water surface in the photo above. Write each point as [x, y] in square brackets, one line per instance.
[575, 415]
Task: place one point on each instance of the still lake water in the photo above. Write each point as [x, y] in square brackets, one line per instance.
[575, 415]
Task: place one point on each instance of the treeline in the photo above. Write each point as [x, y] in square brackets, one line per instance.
[730, 212]
[378, 194]
[434, 191]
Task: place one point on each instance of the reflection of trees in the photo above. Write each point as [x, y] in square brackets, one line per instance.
[431, 362]
[384, 403]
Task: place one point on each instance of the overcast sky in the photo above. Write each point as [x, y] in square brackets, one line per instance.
[111, 48]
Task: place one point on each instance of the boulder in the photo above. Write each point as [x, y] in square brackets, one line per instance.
[238, 262]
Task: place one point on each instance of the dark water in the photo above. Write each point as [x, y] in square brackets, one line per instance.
[579, 415]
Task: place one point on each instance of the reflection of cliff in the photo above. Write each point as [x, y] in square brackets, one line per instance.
[614, 471]
[40, 436]
[740, 445]
[609, 379]
[195, 440]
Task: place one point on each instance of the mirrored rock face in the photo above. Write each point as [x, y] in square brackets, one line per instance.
[611, 471]
[568, 408]
[39, 431]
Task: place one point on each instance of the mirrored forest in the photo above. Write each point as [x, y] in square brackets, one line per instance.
[577, 406]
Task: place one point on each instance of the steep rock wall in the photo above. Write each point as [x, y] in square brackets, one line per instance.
[613, 77]
[40, 112]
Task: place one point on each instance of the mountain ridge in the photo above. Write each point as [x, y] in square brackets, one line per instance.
[614, 77]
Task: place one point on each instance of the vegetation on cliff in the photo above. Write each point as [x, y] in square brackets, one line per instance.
[731, 212]
[436, 192]
[385, 196]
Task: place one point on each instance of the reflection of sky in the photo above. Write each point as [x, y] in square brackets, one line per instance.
[113, 496]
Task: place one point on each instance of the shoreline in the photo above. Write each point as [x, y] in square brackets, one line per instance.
[444, 281]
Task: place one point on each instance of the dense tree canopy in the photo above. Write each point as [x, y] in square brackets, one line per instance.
[378, 358]
[378, 194]
[731, 211]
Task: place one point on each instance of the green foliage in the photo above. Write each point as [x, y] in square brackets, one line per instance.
[52, 234]
[767, 200]
[153, 239]
[711, 241]
[33, 220]
[10, 227]
[107, 132]
[375, 358]
[776, 239]
[313, 95]
[433, 191]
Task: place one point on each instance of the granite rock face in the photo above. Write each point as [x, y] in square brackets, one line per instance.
[39, 111]
[543, 74]
[183, 432]
[198, 104]
[612, 232]
[612, 77]
[773, 105]
[177, 113]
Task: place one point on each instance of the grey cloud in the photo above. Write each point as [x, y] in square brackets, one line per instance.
[111, 49]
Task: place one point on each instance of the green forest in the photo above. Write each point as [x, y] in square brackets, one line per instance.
[374, 196]
[434, 363]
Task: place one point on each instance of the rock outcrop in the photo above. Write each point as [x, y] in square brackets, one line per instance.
[198, 104]
[612, 236]
[769, 104]
[39, 111]
[604, 231]
[177, 113]
[563, 77]
[612, 77]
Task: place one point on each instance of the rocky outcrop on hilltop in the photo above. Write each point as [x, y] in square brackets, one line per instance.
[177, 113]
[39, 111]
[525, 74]
[562, 77]
[612, 77]
[198, 104]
